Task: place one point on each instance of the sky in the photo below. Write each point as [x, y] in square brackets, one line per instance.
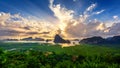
[40, 8]
[69, 18]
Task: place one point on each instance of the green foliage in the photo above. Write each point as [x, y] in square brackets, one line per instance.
[45, 56]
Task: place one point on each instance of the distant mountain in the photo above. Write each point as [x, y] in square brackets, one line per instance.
[10, 40]
[93, 40]
[100, 40]
[31, 39]
[59, 39]
[25, 39]
[114, 40]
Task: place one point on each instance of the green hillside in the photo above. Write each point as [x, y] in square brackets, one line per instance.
[34, 55]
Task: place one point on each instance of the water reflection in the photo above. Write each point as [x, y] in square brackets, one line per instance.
[73, 43]
[66, 45]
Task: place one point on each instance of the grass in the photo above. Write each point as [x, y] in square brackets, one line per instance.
[83, 49]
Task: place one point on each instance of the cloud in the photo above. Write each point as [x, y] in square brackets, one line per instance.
[115, 17]
[16, 25]
[91, 7]
[99, 12]
[61, 13]
[81, 27]
[114, 29]
[86, 30]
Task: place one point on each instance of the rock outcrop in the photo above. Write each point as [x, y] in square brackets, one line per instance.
[59, 39]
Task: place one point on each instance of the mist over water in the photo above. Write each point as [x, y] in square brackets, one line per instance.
[72, 43]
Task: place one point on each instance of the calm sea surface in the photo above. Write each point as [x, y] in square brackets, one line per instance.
[73, 43]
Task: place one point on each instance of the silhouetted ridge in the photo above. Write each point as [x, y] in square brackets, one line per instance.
[100, 40]
[93, 40]
[59, 39]
[114, 40]
[31, 39]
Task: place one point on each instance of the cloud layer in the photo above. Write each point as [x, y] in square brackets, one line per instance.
[16, 26]
[81, 27]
